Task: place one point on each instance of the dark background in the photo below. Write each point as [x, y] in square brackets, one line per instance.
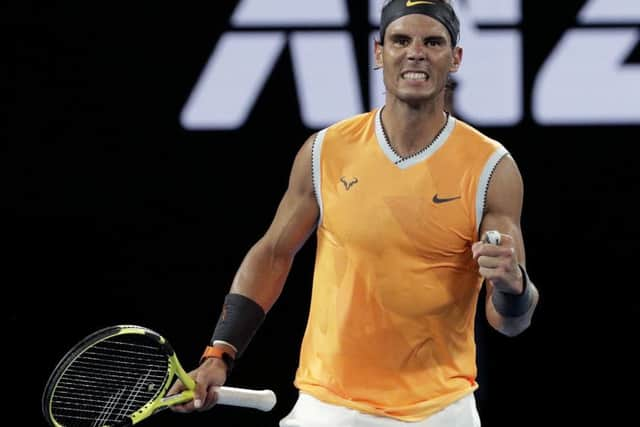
[116, 214]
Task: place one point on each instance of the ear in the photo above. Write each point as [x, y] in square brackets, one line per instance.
[377, 52]
[456, 60]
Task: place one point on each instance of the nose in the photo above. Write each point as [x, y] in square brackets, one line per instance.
[416, 51]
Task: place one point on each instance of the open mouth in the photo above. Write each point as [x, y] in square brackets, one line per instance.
[415, 75]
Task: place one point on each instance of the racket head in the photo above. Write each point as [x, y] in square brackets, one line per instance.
[114, 377]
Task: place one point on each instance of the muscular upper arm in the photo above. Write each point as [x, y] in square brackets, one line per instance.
[298, 210]
[504, 204]
[264, 270]
[503, 212]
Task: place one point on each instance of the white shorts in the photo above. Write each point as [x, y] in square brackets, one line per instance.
[311, 412]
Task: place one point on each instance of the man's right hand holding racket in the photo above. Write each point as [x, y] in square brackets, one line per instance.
[211, 374]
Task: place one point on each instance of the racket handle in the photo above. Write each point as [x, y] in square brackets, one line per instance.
[263, 400]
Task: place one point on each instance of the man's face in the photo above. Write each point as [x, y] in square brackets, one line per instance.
[416, 58]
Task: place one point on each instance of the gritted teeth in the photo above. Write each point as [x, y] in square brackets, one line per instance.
[414, 75]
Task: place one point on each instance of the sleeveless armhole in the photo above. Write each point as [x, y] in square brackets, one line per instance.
[316, 172]
[483, 183]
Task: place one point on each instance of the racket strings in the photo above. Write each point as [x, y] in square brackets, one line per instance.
[110, 381]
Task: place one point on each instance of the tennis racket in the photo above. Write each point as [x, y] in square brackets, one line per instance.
[119, 376]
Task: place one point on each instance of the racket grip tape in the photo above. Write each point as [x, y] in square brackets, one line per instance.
[263, 400]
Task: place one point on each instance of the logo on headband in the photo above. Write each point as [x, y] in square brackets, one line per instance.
[414, 3]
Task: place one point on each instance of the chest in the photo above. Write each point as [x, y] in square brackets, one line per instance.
[372, 203]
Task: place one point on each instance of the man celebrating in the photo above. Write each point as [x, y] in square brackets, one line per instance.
[402, 198]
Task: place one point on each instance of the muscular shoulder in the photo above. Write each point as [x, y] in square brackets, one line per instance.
[353, 125]
[471, 134]
[506, 187]
[469, 148]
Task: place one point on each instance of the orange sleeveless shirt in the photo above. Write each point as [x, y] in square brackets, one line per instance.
[391, 326]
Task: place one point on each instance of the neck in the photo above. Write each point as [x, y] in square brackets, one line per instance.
[411, 129]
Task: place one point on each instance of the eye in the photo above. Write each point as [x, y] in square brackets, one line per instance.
[434, 41]
[401, 41]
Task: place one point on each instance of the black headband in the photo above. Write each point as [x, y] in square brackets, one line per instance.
[438, 10]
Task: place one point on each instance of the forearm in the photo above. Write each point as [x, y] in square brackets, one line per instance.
[262, 274]
[255, 288]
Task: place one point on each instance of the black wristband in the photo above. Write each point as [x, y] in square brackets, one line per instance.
[510, 305]
[240, 319]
